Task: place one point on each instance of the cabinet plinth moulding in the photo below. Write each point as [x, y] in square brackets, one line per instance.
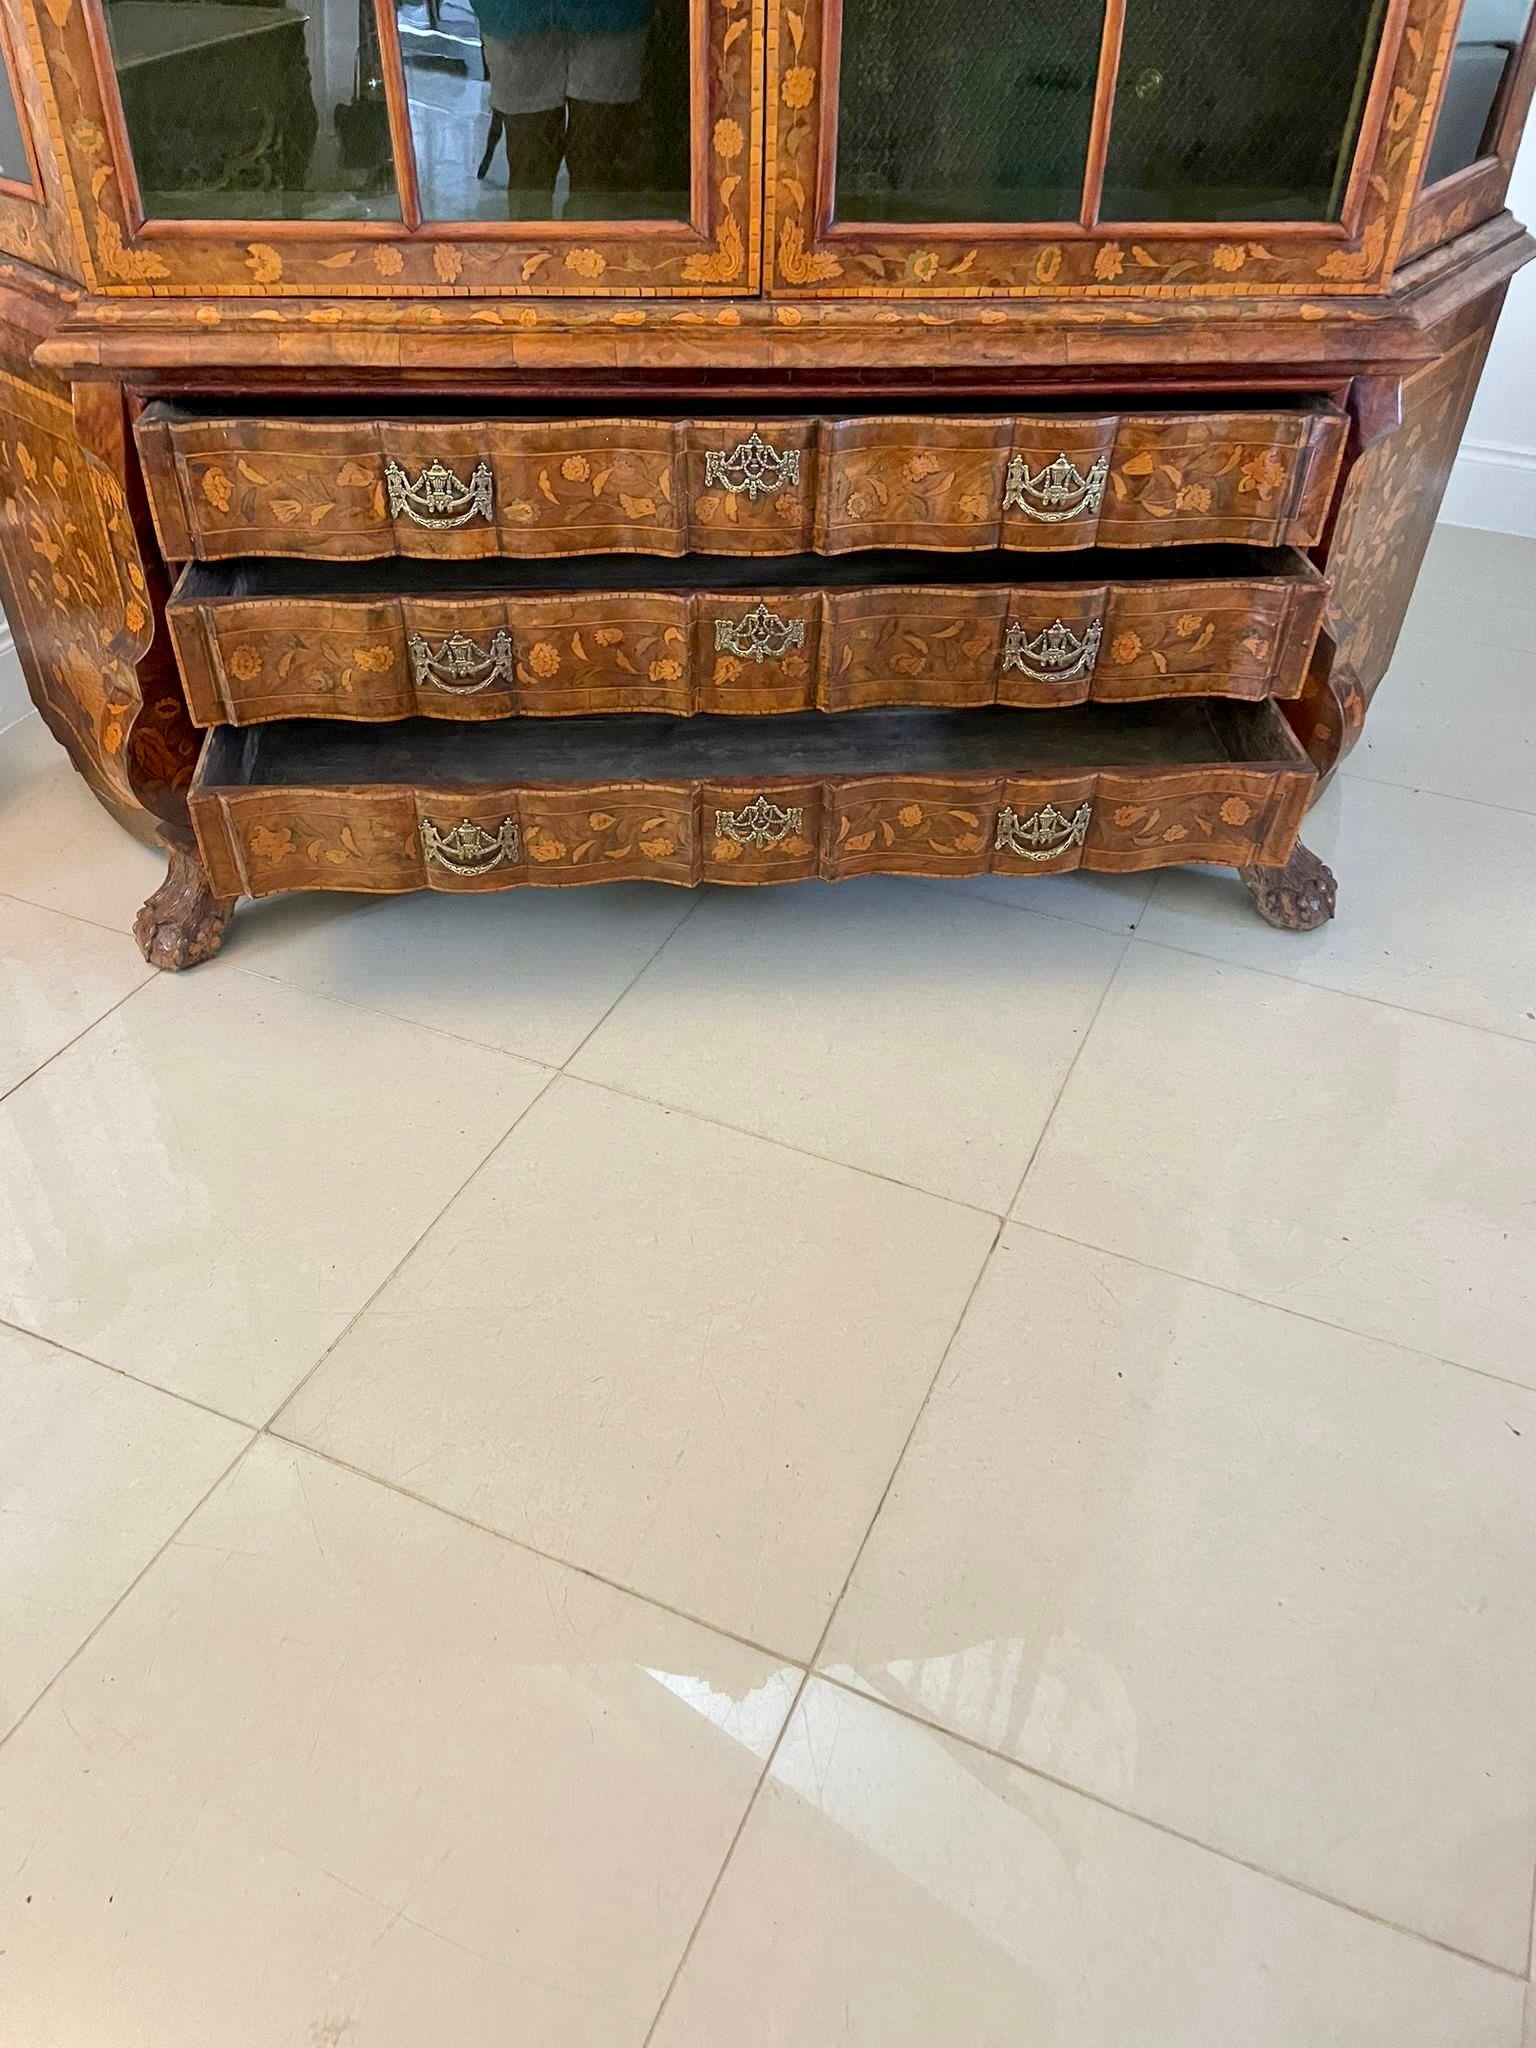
[729, 475]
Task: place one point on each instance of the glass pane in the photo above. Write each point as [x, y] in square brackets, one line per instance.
[549, 109]
[1239, 109]
[255, 111]
[953, 111]
[13, 151]
[1487, 47]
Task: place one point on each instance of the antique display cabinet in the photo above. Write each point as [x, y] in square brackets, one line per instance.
[734, 440]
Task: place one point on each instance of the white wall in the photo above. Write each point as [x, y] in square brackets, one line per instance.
[1494, 481]
[13, 691]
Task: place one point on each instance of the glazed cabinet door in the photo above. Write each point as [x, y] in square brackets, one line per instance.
[942, 147]
[1484, 101]
[414, 146]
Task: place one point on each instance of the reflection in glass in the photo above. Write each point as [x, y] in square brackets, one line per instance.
[549, 109]
[13, 150]
[1239, 109]
[1487, 48]
[950, 111]
[255, 110]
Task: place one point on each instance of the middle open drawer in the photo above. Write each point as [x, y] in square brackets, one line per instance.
[260, 640]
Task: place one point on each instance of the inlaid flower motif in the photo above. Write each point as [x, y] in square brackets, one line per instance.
[520, 510]
[1229, 256]
[1188, 623]
[665, 670]
[244, 664]
[576, 469]
[542, 845]
[1194, 498]
[586, 262]
[215, 487]
[910, 815]
[269, 844]
[1126, 646]
[1235, 812]
[727, 669]
[659, 847]
[1109, 263]
[544, 658]
[374, 659]
[799, 86]
[925, 266]
[1263, 474]
[729, 140]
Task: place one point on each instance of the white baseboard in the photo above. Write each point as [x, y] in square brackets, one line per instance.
[1493, 486]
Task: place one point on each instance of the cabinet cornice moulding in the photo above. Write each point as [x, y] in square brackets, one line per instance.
[383, 337]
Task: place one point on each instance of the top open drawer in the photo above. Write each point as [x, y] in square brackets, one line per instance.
[356, 489]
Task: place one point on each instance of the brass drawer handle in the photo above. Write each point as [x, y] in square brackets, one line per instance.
[469, 849]
[760, 824]
[437, 498]
[1056, 655]
[1042, 834]
[760, 635]
[754, 468]
[1056, 493]
[472, 667]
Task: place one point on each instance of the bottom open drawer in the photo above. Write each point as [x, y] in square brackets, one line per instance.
[427, 805]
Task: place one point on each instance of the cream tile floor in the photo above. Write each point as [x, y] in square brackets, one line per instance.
[834, 1469]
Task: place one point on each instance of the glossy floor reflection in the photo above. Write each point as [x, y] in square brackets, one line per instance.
[890, 1467]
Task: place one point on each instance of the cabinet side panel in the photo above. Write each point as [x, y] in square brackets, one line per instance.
[75, 589]
[1390, 505]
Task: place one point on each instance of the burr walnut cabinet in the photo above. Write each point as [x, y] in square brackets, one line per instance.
[538, 442]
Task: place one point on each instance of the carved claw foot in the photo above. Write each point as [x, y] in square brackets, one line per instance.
[1298, 897]
[183, 922]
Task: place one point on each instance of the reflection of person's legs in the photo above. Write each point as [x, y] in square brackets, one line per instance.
[535, 145]
[527, 79]
[603, 136]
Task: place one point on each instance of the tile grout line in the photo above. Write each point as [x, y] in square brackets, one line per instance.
[93, 924]
[148, 1565]
[826, 1629]
[521, 1544]
[1167, 1828]
[121, 1372]
[357, 1315]
[725, 1862]
[1082, 1046]
[639, 975]
[1447, 796]
[84, 1032]
[1279, 1308]
[1323, 988]
[439, 1031]
[700, 1116]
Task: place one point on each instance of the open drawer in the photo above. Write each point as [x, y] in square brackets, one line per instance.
[421, 804]
[262, 640]
[224, 485]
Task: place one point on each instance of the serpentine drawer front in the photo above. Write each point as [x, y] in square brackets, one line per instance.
[269, 640]
[420, 804]
[360, 489]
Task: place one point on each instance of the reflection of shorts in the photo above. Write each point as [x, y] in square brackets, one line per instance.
[530, 74]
